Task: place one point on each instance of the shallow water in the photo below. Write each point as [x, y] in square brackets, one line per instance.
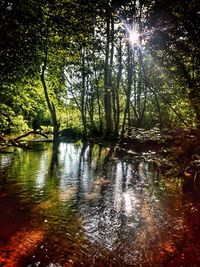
[84, 207]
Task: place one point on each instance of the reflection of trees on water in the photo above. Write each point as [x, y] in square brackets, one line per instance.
[54, 158]
[80, 167]
[118, 203]
[95, 198]
[91, 160]
[107, 194]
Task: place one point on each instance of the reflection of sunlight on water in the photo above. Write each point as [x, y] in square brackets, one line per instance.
[69, 158]
[131, 208]
[130, 202]
[125, 200]
[86, 176]
[118, 189]
[4, 161]
[142, 171]
[42, 171]
[118, 207]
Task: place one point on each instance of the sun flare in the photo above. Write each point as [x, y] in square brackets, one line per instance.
[134, 37]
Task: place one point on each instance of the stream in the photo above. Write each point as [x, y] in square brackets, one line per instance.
[83, 206]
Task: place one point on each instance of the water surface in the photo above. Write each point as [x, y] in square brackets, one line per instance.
[83, 206]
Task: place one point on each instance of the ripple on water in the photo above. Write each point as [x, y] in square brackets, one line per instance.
[92, 212]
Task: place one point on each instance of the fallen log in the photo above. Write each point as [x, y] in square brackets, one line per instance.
[17, 142]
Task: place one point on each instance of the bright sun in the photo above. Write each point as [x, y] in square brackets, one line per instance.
[134, 37]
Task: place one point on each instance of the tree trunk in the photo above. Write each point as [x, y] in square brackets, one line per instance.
[107, 82]
[83, 93]
[159, 111]
[128, 90]
[116, 91]
[99, 109]
[51, 107]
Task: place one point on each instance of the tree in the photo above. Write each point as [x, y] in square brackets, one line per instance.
[20, 39]
[174, 42]
[80, 51]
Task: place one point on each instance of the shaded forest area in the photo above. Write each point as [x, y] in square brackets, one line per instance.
[101, 69]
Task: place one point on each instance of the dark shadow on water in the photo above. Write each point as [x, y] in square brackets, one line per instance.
[54, 159]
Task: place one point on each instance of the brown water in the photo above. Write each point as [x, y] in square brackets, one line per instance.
[84, 207]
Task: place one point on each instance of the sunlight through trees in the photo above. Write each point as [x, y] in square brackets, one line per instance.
[111, 65]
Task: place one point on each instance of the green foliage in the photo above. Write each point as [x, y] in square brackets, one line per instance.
[23, 108]
[20, 39]
[174, 27]
[10, 122]
[91, 64]
[19, 124]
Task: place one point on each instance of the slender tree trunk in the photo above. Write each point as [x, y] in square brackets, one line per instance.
[128, 90]
[90, 99]
[141, 92]
[114, 95]
[107, 81]
[83, 94]
[97, 76]
[159, 111]
[51, 107]
[99, 109]
[116, 91]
